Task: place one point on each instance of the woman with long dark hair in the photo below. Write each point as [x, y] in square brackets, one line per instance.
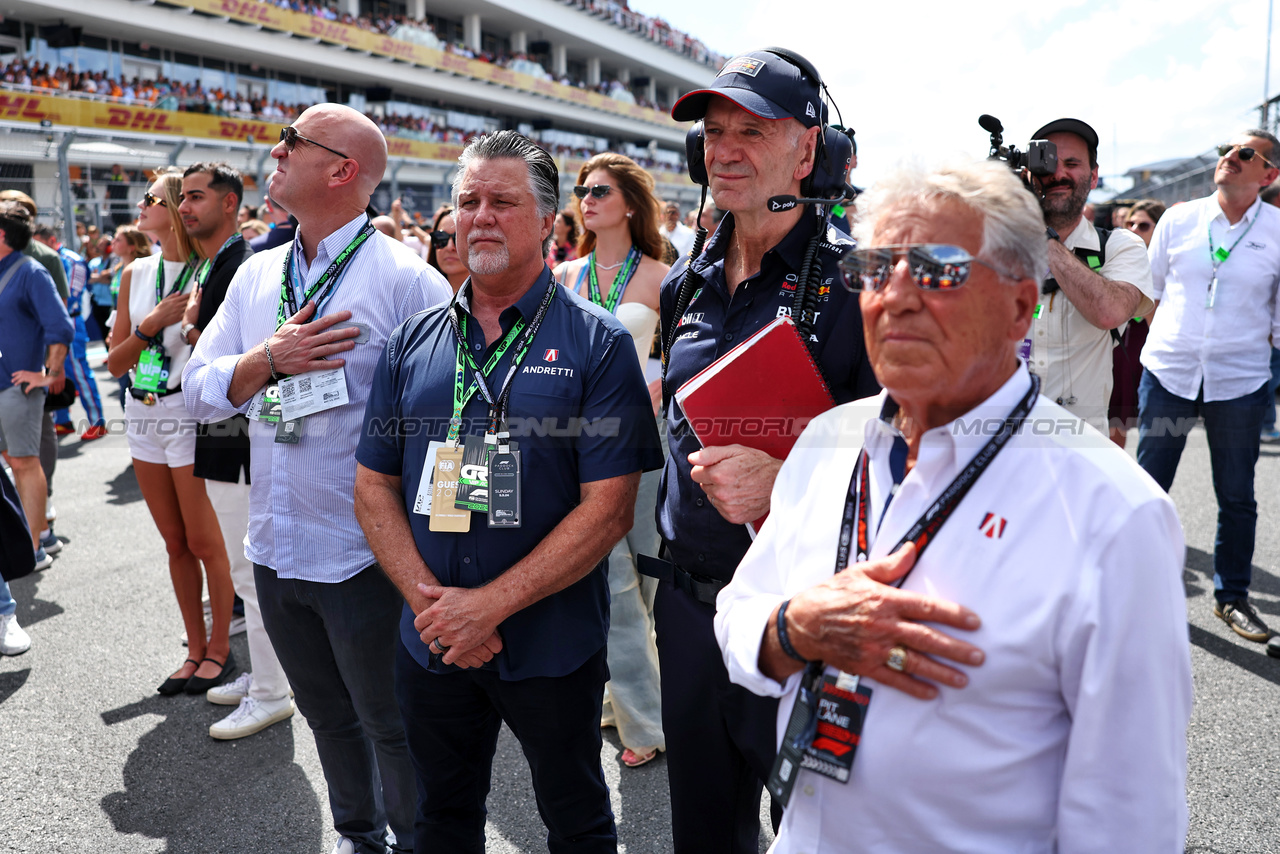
[618, 267]
[147, 341]
[442, 249]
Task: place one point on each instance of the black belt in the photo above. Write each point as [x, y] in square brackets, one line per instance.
[143, 396]
[700, 587]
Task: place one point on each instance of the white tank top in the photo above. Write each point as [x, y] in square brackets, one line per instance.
[641, 321]
[142, 298]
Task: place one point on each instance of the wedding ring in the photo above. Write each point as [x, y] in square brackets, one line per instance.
[897, 659]
[440, 646]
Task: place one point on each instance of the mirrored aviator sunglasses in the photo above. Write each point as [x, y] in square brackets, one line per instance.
[599, 191]
[440, 239]
[933, 266]
[150, 199]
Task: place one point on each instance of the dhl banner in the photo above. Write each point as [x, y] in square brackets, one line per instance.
[334, 32]
[24, 107]
[21, 106]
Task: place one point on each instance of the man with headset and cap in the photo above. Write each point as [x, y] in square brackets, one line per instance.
[1098, 280]
[764, 134]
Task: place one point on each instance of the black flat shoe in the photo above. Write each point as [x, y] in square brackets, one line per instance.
[198, 685]
[174, 685]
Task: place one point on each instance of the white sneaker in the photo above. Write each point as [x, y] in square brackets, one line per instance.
[230, 693]
[252, 716]
[13, 640]
[344, 846]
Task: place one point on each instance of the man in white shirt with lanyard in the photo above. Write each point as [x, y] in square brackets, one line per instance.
[1216, 264]
[960, 483]
[1093, 288]
[293, 346]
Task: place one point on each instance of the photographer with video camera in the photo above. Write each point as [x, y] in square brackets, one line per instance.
[1099, 278]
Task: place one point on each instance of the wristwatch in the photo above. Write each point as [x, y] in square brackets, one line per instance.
[1051, 234]
[185, 329]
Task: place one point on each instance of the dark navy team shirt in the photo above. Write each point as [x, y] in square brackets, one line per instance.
[579, 411]
[697, 537]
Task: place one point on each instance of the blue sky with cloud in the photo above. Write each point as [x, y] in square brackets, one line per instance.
[1156, 78]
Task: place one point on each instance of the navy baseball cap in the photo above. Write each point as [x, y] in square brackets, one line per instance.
[765, 85]
[1079, 128]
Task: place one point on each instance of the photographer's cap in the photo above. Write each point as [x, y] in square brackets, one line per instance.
[1079, 128]
[762, 83]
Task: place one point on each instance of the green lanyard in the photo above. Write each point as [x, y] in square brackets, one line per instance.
[202, 275]
[179, 284]
[497, 405]
[324, 285]
[620, 281]
[1222, 253]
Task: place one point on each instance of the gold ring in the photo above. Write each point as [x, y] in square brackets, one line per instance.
[897, 659]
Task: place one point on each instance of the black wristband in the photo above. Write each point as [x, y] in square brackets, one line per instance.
[784, 640]
[1051, 234]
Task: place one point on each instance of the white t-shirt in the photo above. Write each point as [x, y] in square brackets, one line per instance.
[1071, 737]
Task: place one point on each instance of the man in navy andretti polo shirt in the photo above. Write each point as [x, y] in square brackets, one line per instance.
[505, 622]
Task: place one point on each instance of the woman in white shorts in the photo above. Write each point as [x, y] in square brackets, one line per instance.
[147, 341]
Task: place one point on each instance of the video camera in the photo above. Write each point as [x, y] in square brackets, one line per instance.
[1040, 158]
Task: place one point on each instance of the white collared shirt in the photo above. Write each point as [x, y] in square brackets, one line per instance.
[1225, 347]
[1071, 737]
[302, 519]
[1070, 354]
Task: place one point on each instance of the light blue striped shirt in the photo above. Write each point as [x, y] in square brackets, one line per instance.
[302, 520]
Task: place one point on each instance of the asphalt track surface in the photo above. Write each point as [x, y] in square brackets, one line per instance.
[93, 760]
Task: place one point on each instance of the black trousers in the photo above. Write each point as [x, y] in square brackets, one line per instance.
[452, 722]
[720, 736]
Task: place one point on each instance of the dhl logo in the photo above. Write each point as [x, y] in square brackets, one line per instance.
[329, 31]
[22, 107]
[140, 120]
[396, 48]
[250, 9]
[242, 130]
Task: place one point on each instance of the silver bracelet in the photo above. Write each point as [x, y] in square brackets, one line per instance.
[266, 346]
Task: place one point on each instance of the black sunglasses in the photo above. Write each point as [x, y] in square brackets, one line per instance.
[290, 137]
[1138, 226]
[1246, 153]
[440, 239]
[148, 200]
[599, 191]
[933, 266]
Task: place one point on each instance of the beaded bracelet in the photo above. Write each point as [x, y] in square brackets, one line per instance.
[784, 640]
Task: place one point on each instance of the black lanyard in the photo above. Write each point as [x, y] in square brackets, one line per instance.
[323, 286]
[922, 533]
[498, 404]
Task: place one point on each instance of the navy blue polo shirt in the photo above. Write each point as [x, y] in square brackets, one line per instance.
[579, 411]
[697, 537]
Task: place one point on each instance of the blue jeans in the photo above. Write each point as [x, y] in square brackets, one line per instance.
[1269, 416]
[7, 605]
[1233, 428]
[337, 644]
[452, 720]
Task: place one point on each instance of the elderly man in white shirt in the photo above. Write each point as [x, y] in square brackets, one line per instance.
[294, 346]
[1063, 729]
[1216, 266]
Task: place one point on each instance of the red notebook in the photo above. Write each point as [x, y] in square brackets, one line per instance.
[761, 394]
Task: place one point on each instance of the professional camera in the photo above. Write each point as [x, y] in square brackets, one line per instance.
[1040, 158]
